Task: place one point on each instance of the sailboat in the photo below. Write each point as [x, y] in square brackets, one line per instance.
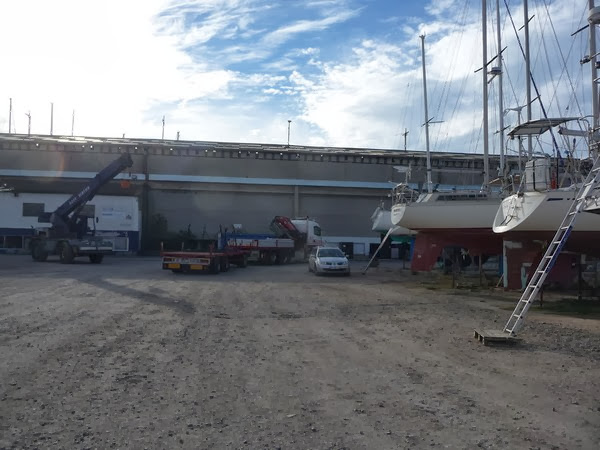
[460, 218]
[538, 208]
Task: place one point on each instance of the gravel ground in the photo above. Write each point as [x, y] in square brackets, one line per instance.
[126, 355]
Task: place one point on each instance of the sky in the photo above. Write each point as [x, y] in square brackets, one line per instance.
[339, 73]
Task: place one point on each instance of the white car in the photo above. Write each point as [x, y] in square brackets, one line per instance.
[328, 260]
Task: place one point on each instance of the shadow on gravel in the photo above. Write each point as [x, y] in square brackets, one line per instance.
[180, 306]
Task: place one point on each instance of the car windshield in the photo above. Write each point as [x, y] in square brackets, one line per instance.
[330, 253]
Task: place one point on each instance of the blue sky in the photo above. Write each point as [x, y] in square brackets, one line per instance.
[345, 72]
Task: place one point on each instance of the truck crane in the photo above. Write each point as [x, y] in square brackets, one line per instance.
[69, 235]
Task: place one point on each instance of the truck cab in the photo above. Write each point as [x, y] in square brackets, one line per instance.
[311, 229]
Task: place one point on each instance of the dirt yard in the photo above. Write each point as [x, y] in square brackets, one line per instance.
[126, 355]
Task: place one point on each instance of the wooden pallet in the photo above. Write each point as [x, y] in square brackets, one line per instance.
[495, 336]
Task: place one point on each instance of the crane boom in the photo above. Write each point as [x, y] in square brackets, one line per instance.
[65, 217]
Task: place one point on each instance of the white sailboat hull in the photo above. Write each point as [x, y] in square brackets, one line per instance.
[432, 213]
[541, 211]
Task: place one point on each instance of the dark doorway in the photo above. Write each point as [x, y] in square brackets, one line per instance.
[348, 249]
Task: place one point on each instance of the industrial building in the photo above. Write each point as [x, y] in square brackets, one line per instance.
[201, 187]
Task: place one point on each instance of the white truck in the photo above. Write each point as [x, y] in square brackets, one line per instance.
[290, 238]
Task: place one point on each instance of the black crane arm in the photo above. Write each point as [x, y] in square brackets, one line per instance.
[60, 217]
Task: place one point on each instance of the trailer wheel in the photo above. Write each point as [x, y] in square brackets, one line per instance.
[66, 253]
[215, 266]
[38, 252]
[244, 261]
[288, 258]
[279, 258]
[96, 259]
[224, 265]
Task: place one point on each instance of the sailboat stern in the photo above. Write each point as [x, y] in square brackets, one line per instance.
[397, 213]
[516, 210]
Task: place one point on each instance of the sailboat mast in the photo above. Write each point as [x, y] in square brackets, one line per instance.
[528, 72]
[486, 172]
[592, 19]
[500, 101]
[429, 183]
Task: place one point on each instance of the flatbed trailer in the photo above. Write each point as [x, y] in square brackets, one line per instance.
[212, 262]
[237, 248]
[266, 249]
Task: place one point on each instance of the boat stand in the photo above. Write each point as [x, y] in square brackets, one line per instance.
[390, 231]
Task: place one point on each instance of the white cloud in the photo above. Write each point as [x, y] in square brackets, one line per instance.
[282, 34]
[438, 7]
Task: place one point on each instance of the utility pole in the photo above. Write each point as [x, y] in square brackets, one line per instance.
[405, 134]
[163, 128]
[178, 135]
[9, 115]
[289, 124]
[28, 123]
[73, 123]
[51, 118]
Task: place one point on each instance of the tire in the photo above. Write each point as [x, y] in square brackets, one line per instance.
[38, 253]
[269, 257]
[224, 264]
[215, 266]
[279, 258]
[96, 259]
[66, 254]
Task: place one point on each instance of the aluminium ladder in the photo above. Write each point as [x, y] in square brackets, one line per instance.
[515, 322]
